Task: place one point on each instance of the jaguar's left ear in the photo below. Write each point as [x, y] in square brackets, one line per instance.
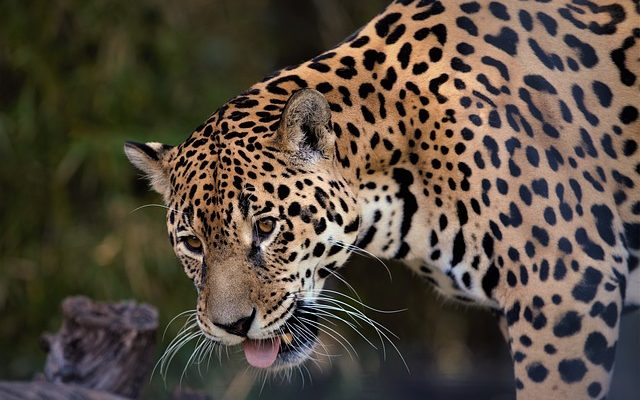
[305, 126]
[152, 159]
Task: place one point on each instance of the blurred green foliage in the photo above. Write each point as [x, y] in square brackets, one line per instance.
[77, 79]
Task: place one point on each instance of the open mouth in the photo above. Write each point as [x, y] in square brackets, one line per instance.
[293, 345]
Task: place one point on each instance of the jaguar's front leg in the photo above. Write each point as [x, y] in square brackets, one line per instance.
[563, 332]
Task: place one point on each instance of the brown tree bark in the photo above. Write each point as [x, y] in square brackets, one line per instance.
[38, 390]
[107, 347]
[103, 351]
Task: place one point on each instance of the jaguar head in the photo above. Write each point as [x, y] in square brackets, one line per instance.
[259, 216]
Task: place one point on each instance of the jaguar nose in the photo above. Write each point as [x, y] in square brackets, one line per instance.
[240, 327]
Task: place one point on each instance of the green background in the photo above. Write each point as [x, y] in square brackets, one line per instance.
[77, 79]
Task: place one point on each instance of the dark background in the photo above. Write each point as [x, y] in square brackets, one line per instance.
[77, 79]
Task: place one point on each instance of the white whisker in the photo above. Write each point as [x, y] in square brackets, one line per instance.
[195, 351]
[364, 305]
[164, 333]
[319, 302]
[154, 205]
[363, 252]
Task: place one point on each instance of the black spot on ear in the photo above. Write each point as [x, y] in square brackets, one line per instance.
[149, 151]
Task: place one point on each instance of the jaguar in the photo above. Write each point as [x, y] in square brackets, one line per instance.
[491, 146]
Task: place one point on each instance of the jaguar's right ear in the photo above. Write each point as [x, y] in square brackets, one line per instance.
[152, 159]
[305, 125]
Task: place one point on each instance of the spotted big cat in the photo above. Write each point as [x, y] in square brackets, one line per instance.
[492, 146]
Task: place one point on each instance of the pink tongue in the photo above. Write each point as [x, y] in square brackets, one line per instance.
[261, 353]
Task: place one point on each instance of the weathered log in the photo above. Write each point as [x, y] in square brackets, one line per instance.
[50, 391]
[107, 347]
[42, 390]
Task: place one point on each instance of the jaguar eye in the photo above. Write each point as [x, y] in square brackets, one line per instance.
[265, 226]
[192, 244]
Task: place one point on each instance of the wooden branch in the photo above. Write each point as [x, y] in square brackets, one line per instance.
[102, 346]
[50, 391]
